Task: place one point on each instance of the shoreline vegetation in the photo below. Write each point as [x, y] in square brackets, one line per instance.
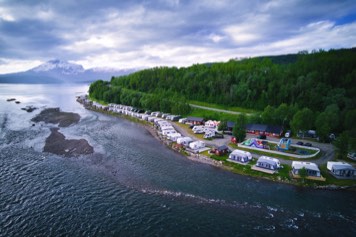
[283, 176]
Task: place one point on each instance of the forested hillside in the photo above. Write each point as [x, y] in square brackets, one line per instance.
[303, 91]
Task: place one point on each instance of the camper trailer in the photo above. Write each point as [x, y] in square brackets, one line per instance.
[311, 168]
[182, 120]
[174, 136]
[266, 162]
[197, 145]
[341, 169]
[166, 132]
[240, 156]
[184, 141]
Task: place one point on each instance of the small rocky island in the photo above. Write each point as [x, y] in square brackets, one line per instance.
[56, 143]
[55, 116]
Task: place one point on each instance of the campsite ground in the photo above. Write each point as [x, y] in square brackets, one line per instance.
[327, 149]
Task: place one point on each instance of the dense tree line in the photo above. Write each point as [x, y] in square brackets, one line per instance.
[104, 91]
[303, 91]
[314, 81]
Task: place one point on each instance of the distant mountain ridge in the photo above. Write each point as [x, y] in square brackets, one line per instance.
[60, 71]
[60, 66]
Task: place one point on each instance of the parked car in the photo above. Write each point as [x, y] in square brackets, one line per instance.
[198, 131]
[351, 155]
[300, 143]
[218, 135]
[262, 136]
[308, 144]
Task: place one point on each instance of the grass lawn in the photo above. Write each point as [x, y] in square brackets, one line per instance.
[190, 131]
[98, 101]
[283, 173]
[224, 107]
[266, 153]
[213, 115]
[292, 150]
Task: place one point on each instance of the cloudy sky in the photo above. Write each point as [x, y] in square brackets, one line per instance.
[146, 33]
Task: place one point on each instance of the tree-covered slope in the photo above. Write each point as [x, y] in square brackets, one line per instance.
[323, 82]
[314, 80]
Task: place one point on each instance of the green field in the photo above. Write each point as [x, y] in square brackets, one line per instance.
[224, 107]
[212, 115]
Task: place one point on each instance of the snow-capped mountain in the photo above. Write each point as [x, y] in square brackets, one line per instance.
[59, 71]
[59, 66]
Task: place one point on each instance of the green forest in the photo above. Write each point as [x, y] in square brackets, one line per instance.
[308, 90]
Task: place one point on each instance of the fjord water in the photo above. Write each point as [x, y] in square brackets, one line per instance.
[134, 186]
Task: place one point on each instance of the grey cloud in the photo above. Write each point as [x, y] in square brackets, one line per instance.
[74, 30]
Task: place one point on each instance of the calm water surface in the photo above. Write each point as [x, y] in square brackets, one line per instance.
[134, 186]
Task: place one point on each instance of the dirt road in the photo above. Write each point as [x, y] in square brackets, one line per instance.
[217, 110]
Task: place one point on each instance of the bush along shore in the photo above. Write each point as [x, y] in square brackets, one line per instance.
[282, 176]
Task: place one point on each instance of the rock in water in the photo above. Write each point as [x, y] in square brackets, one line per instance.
[55, 116]
[29, 108]
[57, 144]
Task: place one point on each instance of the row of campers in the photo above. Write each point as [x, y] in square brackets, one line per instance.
[244, 157]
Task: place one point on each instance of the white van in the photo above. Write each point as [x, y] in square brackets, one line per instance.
[198, 128]
[182, 120]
